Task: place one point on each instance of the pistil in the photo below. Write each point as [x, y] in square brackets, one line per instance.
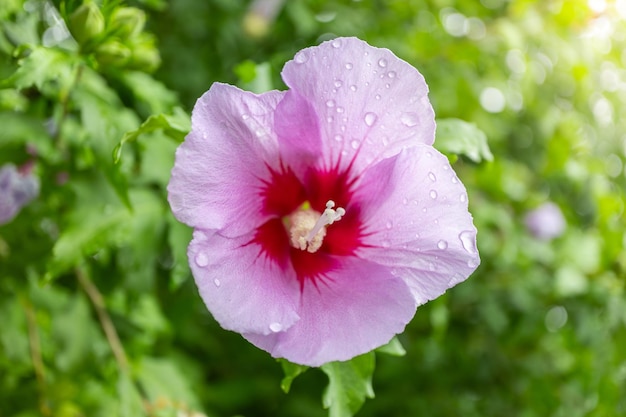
[308, 227]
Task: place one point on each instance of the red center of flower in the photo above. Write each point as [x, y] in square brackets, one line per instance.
[283, 195]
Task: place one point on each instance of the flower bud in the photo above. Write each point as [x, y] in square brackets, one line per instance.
[86, 23]
[113, 53]
[145, 56]
[127, 21]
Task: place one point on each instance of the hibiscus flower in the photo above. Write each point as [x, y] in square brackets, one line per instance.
[322, 215]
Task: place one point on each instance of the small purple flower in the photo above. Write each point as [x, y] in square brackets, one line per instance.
[546, 222]
[16, 190]
[322, 215]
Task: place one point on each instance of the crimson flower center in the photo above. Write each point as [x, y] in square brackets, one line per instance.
[307, 227]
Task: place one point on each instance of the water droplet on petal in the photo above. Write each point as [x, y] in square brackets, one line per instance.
[336, 43]
[433, 194]
[463, 198]
[442, 244]
[276, 327]
[431, 266]
[473, 263]
[454, 180]
[330, 103]
[432, 177]
[355, 144]
[201, 259]
[338, 138]
[338, 83]
[245, 116]
[330, 119]
[377, 96]
[391, 74]
[468, 241]
[340, 109]
[409, 119]
[217, 282]
[370, 119]
[382, 62]
[387, 85]
[349, 66]
[405, 201]
[386, 243]
[301, 57]
[353, 87]
[389, 224]
[385, 141]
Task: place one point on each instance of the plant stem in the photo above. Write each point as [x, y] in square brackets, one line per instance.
[105, 320]
[35, 354]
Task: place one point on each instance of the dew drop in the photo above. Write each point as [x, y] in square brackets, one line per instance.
[301, 57]
[377, 96]
[353, 87]
[330, 119]
[340, 110]
[405, 201]
[382, 62]
[433, 194]
[245, 116]
[473, 263]
[429, 154]
[468, 241]
[349, 66]
[432, 177]
[431, 266]
[424, 210]
[389, 225]
[201, 259]
[370, 119]
[217, 282]
[330, 103]
[336, 43]
[463, 198]
[338, 83]
[338, 138]
[454, 180]
[276, 327]
[442, 244]
[386, 243]
[409, 119]
[355, 144]
[387, 85]
[391, 74]
[385, 141]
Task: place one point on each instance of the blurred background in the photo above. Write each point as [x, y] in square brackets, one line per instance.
[99, 315]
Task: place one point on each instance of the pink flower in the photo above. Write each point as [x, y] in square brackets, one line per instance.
[546, 222]
[18, 187]
[322, 215]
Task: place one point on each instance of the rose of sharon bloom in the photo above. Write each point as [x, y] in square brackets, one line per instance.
[322, 215]
[16, 190]
[546, 222]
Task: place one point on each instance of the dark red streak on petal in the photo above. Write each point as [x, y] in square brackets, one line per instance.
[283, 194]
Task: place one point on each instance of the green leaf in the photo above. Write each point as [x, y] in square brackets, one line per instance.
[394, 348]
[178, 237]
[163, 381]
[255, 77]
[40, 67]
[131, 404]
[176, 125]
[291, 371]
[350, 383]
[458, 137]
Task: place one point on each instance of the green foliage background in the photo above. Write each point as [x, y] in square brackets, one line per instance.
[99, 315]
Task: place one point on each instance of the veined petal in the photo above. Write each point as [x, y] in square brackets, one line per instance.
[358, 307]
[221, 165]
[244, 291]
[416, 221]
[369, 103]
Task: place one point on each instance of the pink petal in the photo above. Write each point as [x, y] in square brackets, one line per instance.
[416, 221]
[220, 166]
[369, 103]
[243, 290]
[359, 307]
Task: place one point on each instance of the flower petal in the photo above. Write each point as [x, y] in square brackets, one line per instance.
[416, 221]
[244, 291]
[359, 307]
[369, 103]
[221, 165]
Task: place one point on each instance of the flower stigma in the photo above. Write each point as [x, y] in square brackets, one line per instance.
[307, 227]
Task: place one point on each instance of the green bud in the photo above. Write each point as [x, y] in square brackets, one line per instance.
[113, 53]
[127, 22]
[86, 23]
[145, 55]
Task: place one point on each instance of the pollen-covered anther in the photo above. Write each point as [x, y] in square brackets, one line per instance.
[308, 227]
